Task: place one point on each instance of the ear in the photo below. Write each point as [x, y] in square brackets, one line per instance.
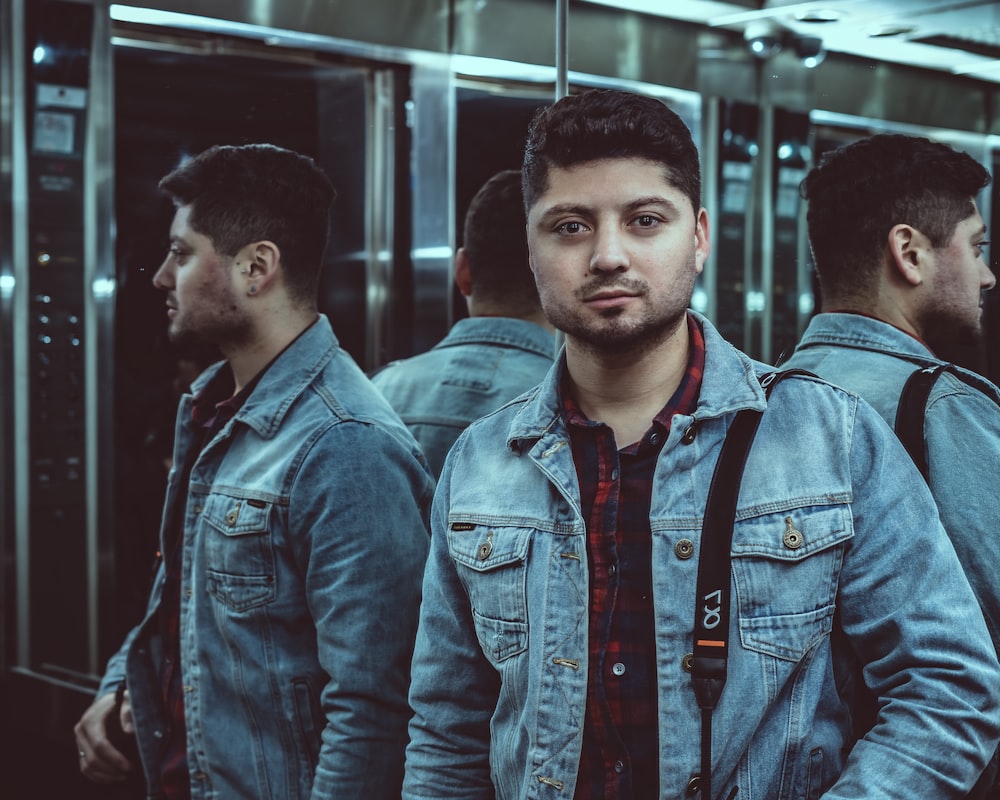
[259, 264]
[463, 276]
[702, 242]
[908, 250]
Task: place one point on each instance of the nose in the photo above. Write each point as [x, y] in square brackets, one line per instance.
[610, 253]
[163, 277]
[987, 280]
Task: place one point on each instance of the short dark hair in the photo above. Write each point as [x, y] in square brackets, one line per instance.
[247, 193]
[496, 245]
[607, 123]
[859, 191]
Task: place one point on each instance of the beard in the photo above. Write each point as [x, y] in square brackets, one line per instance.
[622, 330]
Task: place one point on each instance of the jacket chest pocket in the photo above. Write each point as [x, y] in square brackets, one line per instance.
[492, 563]
[239, 557]
[786, 569]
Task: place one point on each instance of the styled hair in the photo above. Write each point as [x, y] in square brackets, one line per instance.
[860, 191]
[607, 123]
[248, 193]
[496, 245]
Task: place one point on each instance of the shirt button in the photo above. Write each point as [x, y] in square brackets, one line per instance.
[618, 669]
[614, 474]
[612, 569]
[619, 767]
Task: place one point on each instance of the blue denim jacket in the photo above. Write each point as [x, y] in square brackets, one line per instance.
[961, 432]
[481, 364]
[305, 535]
[499, 680]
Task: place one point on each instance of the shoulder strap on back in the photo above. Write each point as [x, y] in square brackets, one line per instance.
[909, 424]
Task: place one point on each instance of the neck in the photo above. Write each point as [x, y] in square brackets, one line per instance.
[626, 390]
[882, 304]
[264, 343]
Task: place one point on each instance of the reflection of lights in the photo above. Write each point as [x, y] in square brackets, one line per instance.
[104, 288]
[785, 151]
[39, 55]
[7, 285]
[699, 300]
[806, 303]
[810, 49]
[756, 302]
[43, 258]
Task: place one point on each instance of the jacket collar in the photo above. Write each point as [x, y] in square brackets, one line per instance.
[864, 333]
[284, 379]
[730, 383]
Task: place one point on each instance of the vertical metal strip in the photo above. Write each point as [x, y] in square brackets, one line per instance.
[380, 204]
[710, 171]
[765, 191]
[19, 248]
[98, 299]
[562, 48]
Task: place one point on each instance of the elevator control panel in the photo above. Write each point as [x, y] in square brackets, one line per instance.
[58, 87]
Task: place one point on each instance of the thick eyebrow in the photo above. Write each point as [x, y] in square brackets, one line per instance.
[583, 210]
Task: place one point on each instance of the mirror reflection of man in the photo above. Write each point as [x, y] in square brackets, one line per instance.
[273, 659]
[899, 246]
[504, 347]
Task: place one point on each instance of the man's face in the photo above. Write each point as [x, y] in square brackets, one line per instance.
[615, 249]
[203, 303]
[952, 313]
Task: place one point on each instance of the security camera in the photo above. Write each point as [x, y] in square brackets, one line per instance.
[810, 50]
[763, 39]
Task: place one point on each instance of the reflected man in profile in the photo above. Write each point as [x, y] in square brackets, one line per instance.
[273, 658]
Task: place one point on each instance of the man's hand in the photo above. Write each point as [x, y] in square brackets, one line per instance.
[99, 759]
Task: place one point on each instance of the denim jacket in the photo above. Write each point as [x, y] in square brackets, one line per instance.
[481, 364]
[961, 431]
[304, 539]
[870, 582]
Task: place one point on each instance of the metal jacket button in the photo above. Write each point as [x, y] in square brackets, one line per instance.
[684, 549]
[793, 539]
[486, 548]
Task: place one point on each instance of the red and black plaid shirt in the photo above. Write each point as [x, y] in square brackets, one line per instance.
[211, 409]
[620, 758]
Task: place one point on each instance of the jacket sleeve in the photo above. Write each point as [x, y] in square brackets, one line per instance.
[362, 512]
[454, 689]
[962, 438]
[911, 617]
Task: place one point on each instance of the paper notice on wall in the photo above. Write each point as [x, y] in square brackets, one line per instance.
[54, 132]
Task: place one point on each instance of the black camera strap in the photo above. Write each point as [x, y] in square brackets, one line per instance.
[711, 629]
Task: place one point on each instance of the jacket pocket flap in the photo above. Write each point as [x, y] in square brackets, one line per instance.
[484, 548]
[793, 535]
[236, 516]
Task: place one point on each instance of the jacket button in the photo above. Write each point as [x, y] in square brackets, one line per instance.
[792, 538]
[688, 437]
[693, 785]
[684, 549]
[686, 661]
